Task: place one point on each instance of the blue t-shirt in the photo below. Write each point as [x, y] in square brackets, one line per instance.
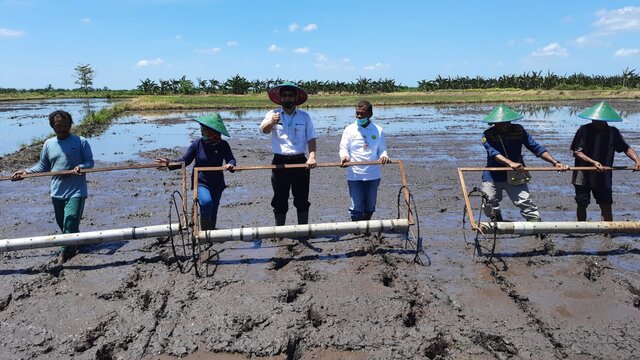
[59, 155]
[206, 154]
[513, 139]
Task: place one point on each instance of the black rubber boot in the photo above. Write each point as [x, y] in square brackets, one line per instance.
[280, 218]
[367, 216]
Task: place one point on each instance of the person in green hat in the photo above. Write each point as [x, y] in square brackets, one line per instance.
[595, 144]
[208, 150]
[503, 142]
[292, 133]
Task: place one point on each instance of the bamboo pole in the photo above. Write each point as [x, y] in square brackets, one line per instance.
[467, 202]
[575, 168]
[94, 170]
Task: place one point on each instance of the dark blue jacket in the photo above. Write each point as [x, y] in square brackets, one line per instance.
[515, 137]
[206, 154]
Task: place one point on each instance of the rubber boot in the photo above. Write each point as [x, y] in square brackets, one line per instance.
[367, 216]
[497, 216]
[280, 218]
[207, 224]
[303, 217]
[66, 253]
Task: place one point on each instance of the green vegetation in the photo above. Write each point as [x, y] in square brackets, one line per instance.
[97, 122]
[261, 101]
[84, 77]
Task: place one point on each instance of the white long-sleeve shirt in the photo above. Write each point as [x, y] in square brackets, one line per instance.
[363, 144]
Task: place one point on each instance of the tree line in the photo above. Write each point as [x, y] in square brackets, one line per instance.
[240, 85]
[535, 80]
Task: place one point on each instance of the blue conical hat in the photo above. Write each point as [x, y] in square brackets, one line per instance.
[214, 122]
[502, 113]
[601, 112]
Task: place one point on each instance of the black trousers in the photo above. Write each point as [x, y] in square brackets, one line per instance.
[283, 180]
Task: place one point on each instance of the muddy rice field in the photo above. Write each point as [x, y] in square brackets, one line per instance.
[340, 297]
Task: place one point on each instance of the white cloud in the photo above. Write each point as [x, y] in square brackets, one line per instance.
[178, 37]
[232, 43]
[627, 52]
[325, 63]
[303, 50]
[529, 40]
[569, 19]
[86, 20]
[143, 62]
[627, 18]
[210, 51]
[376, 66]
[553, 49]
[293, 27]
[274, 48]
[277, 66]
[586, 41]
[11, 33]
[310, 27]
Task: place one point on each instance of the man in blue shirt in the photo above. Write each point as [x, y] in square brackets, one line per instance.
[65, 151]
[503, 142]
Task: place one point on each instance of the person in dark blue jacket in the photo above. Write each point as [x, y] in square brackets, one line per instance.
[503, 142]
[209, 151]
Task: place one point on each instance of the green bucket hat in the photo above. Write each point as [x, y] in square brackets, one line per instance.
[502, 113]
[213, 122]
[601, 112]
[274, 93]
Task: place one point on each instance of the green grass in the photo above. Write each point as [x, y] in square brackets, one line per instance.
[261, 101]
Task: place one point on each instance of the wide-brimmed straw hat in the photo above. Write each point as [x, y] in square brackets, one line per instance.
[274, 93]
[213, 122]
[502, 113]
[601, 112]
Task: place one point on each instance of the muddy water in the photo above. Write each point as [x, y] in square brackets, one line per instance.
[22, 121]
[347, 297]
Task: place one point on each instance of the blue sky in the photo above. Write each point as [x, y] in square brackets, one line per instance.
[125, 41]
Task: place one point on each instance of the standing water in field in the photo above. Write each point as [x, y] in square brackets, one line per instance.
[23, 121]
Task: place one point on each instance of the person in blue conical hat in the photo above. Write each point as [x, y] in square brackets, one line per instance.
[595, 144]
[503, 142]
[292, 134]
[209, 150]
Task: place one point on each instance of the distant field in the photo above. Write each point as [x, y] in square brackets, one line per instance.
[253, 101]
[257, 101]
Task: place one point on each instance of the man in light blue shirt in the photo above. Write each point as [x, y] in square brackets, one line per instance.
[65, 151]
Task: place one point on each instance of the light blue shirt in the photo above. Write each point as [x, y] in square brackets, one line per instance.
[59, 155]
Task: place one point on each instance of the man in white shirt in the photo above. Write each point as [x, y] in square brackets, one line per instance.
[363, 140]
[292, 132]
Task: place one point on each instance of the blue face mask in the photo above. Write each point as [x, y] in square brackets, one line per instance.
[362, 121]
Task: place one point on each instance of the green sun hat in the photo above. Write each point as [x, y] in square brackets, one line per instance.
[601, 111]
[502, 113]
[274, 93]
[213, 122]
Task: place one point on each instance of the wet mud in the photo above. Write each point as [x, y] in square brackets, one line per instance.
[341, 297]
